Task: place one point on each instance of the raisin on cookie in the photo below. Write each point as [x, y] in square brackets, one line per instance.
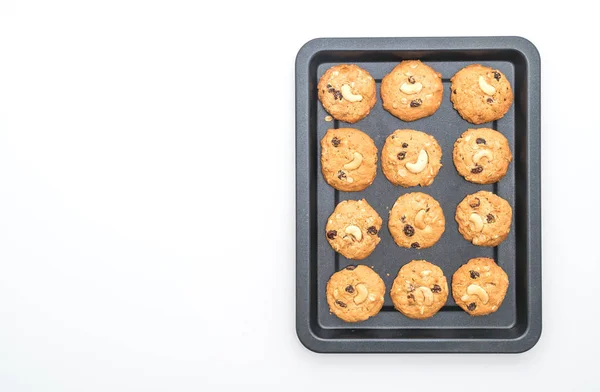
[420, 290]
[347, 92]
[484, 218]
[481, 94]
[479, 287]
[355, 293]
[482, 155]
[411, 158]
[348, 159]
[352, 229]
[416, 221]
[412, 90]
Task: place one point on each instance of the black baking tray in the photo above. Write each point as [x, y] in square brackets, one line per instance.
[517, 325]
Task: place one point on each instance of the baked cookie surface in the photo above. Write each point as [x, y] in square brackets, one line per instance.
[416, 221]
[348, 159]
[411, 158]
[481, 94]
[355, 293]
[347, 92]
[420, 289]
[352, 229]
[484, 218]
[482, 155]
[479, 287]
[412, 90]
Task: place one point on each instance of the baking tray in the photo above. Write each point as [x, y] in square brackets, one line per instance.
[516, 326]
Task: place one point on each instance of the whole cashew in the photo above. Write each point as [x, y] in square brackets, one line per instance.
[355, 232]
[348, 95]
[408, 88]
[478, 291]
[421, 163]
[426, 298]
[477, 222]
[482, 153]
[487, 88]
[362, 294]
[355, 162]
[420, 220]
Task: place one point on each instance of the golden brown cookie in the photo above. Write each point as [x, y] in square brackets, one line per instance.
[412, 90]
[355, 293]
[419, 290]
[481, 94]
[416, 221]
[479, 287]
[348, 159]
[484, 218]
[352, 230]
[347, 92]
[411, 158]
[482, 155]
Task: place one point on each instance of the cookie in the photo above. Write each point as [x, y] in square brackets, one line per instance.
[355, 293]
[482, 155]
[412, 90]
[419, 290]
[479, 287]
[416, 221]
[352, 230]
[411, 158]
[481, 94]
[484, 218]
[348, 159]
[347, 92]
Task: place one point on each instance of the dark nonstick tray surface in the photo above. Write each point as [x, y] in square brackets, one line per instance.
[516, 326]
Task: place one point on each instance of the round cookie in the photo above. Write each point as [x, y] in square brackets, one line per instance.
[348, 159]
[479, 287]
[411, 158]
[416, 221]
[482, 155]
[484, 218]
[419, 290]
[412, 90]
[352, 229]
[481, 94]
[347, 92]
[355, 293]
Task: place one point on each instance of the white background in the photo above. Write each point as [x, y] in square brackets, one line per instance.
[147, 195]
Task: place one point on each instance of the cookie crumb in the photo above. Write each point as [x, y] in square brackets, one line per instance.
[328, 118]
